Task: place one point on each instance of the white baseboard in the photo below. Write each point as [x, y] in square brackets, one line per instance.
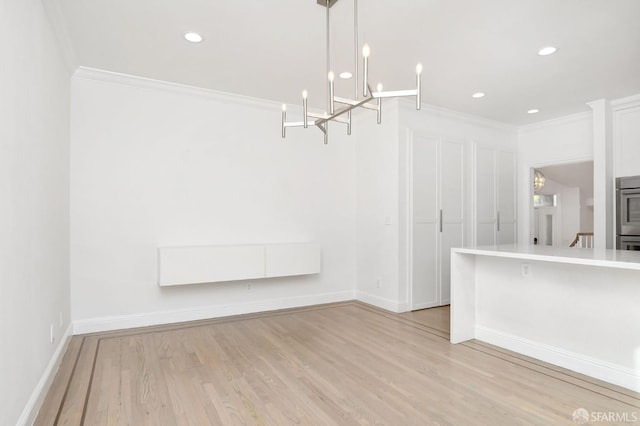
[602, 370]
[31, 410]
[381, 302]
[93, 325]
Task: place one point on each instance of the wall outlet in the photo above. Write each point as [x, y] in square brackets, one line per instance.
[51, 337]
[249, 288]
[526, 270]
[379, 283]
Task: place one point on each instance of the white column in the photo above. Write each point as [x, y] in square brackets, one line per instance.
[603, 179]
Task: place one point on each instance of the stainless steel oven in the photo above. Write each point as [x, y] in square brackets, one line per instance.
[628, 211]
[628, 243]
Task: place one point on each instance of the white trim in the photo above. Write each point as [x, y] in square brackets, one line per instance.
[624, 103]
[581, 116]
[32, 408]
[93, 325]
[382, 302]
[459, 116]
[561, 162]
[86, 73]
[602, 370]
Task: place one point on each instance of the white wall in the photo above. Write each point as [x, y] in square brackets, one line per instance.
[565, 140]
[378, 212]
[155, 164]
[569, 211]
[626, 136]
[34, 218]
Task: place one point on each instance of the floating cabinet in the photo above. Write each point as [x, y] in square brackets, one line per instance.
[208, 264]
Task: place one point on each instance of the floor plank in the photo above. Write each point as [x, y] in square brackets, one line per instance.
[346, 363]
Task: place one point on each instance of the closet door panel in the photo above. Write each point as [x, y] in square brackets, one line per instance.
[425, 222]
[485, 185]
[452, 236]
[425, 266]
[506, 187]
[452, 178]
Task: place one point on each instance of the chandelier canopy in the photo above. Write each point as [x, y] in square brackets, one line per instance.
[341, 113]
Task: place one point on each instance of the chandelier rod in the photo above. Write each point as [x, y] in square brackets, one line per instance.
[355, 48]
[329, 95]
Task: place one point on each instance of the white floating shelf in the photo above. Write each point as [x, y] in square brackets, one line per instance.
[208, 264]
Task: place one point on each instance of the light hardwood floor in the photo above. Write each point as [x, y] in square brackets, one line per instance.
[346, 363]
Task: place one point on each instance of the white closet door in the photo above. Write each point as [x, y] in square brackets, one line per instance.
[485, 197]
[452, 205]
[425, 222]
[506, 196]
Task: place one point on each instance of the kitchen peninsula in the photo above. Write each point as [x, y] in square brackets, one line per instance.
[575, 308]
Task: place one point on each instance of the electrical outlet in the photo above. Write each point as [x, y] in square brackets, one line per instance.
[379, 282]
[51, 338]
[248, 286]
[526, 270]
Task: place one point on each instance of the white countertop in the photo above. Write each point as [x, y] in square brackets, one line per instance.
[623, 259]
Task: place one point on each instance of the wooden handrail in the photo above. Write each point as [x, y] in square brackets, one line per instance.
[578, 235]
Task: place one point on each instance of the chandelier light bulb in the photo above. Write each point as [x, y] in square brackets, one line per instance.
[366, 51]
[284, 107]
[304, 94]
[379, 87]
[331, 76]
[419, 68]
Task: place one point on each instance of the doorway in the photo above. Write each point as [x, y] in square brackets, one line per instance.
[562, 204]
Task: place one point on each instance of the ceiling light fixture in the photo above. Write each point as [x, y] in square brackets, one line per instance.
[478, 95]
[193, 37]
[368, 100]
[533, 111]
[538, 180]
[548, 50]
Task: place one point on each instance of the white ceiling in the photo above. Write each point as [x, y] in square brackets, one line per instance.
[572, 175]
[273, 49]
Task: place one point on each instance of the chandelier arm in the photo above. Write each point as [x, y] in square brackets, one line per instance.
[325, 129]
[395, 94]
[297, 124]
[326, 117]
[342, 111]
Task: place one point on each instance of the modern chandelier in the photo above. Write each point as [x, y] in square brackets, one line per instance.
[538, 180]
[370, 99]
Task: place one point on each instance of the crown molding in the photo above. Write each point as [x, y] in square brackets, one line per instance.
[59, 26]
[627, 102]
[567, 119]
[94, 74]
[460, 116]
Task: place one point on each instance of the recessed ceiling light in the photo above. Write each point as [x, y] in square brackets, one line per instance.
[346, 75]
[549, 50]
[193, 37]
[533, 111]
[478, 95]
